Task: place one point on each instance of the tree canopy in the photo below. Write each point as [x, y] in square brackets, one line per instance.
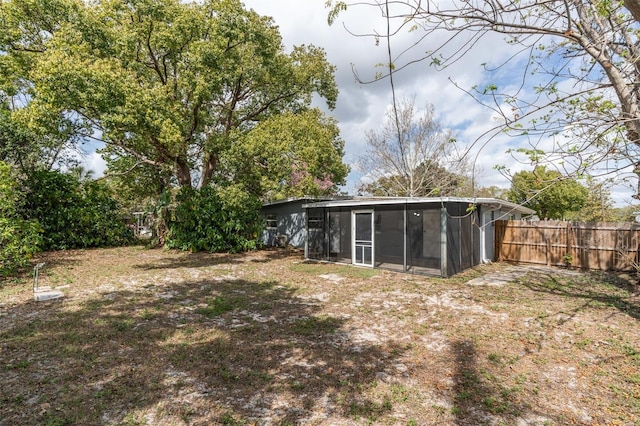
[598, 206]
[547, 192]
[290, 155]
[28, 149]
[441, 182]
[198, 110]
[167, 85]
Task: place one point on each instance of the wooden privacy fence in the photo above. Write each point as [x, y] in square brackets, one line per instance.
[589, 245]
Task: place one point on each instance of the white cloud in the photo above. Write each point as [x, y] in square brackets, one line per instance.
[88, 159]
[95, 163]
[362, 107]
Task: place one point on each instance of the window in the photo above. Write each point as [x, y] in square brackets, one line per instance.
[272, 221]
[315, 220]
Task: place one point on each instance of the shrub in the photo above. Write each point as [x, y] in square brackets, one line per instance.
[216, 220]
[73, 214]
[19, 238]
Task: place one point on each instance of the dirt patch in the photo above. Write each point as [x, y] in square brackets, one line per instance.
[163, 338]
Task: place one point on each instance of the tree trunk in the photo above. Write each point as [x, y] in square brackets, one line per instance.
[183, 172]
[208, 168]
[596, 45]
[634, 8]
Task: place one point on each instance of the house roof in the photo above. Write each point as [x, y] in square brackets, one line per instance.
[298, 199]
[371, 201]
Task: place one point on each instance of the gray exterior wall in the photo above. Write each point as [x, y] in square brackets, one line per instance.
[291, 223]
[424, 236]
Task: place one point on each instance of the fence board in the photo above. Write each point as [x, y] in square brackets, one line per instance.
[588, 245]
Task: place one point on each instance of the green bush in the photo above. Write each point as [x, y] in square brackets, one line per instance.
[215, 220]
[19, 238]
[73, 214]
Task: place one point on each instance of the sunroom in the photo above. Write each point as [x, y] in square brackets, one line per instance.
[433, 236]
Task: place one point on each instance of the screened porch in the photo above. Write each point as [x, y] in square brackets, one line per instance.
[422, 237]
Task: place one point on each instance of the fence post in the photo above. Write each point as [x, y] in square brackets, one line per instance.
[571, 257]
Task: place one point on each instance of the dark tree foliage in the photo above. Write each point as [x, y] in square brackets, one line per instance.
[548, 192]
[215, 220]
[73, 214]
[19, 238]
[16, 145]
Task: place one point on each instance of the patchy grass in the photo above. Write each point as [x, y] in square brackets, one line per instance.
[215, 306]
[321, 268]
[152, 337]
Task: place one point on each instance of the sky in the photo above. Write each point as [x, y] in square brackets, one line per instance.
[362, 107]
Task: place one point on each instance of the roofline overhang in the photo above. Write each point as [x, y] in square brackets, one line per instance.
[296, 199]
[367, 201]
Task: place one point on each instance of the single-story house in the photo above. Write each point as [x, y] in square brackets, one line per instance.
[286, 222]
[439, 236]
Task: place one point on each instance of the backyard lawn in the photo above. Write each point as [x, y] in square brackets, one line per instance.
[153, 337]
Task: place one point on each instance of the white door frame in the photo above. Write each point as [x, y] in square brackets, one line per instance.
[362, 244]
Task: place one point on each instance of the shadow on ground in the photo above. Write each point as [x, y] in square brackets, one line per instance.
[480, 398]
[202, 259]
[619, 293]
[197, 352]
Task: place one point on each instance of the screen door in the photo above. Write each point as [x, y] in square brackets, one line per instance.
[362, 237]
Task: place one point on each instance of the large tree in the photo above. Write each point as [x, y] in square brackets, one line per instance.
[26, 149]
[547, 192]
[574, 71]
[598, 206]
[411, 155]
[435, 181]
[290, 155]
[168, 85]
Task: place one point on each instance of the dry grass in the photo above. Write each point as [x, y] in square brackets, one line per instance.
[162, 338]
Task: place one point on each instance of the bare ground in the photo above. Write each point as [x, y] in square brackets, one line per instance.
[151, 337]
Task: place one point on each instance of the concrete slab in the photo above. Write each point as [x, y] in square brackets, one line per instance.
[45, 293]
